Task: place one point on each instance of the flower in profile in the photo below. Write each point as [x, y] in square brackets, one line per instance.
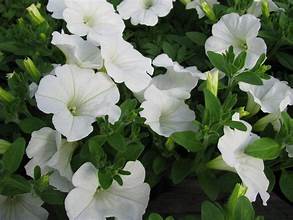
[273, 96]
[250, 169]
[78, 51]
[144, 12]
[197, 5]
[241, 33]
[177, 81]
[166, 114]
[256, 7]
[76, 97]
[125, 64]
[56, 7]
[22, 207]
[93, 18]
[89, 201]
[52, 154]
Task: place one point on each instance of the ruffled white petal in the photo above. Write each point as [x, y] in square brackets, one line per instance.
[57, 7]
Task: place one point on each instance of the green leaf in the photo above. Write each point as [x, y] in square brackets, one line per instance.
[264, 148]
[132, 152]
[236, 124]
[197, 37]
[286, 185]
[169, 50]
[213, 108]
[117, 141]
[105, 178]
[218, 61]
[285, 60]
[249, 77]
[209, 211]
[28, 125]
[244, 209]
[180, 169]
[209, 184]
[159, 165]
[13, 156]
[53, 197]
[239, 62]
[14, 184]
[95, 148]
[188, 140]
[154, 216]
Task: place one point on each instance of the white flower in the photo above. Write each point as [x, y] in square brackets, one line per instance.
[289, 149]
[177, 81]
[196, 4]
[78, 51]
[165, 114]
[57, 7]
[89, 201]
[93, 18]
[125, 64]
[33, 87]
[255, 8]
[250, 169]
[241, 33]
[22, 207]
[76, 97]
[52, 154]
[144, 12]
[273, 96]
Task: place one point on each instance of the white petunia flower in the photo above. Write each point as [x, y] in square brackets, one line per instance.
[89, 201]
[22, 207]
[76, 97]
[196, 4]
[78, 51]
[125, 64]
[94, 18]
[165, 114]
[289, 149]
[52, 154]
[57, 7]
[250, 169]
[273, 96]
[144, 12]
[255, 7]
[241, 33]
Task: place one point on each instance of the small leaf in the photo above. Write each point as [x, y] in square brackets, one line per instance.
[159, 165]
[188, 140]
[117, 141]
[53, 197]
[209, 211]
[218, 61]
[197, 37]
[286, 185]
[105, 178]
[213, 108]
[180, 169]
[285, 60]
[236, 124]
[264, 148]
[239, 62]
[13, 156]
[249, 77]
[154, 216]
[28, 125]
[244, 209]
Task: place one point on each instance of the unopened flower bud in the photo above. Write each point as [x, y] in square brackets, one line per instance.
[35, 14]
[252, 107]
[239, 190]
[31, 69]
[219, 164]
[208, 10]
[273, 118]
[6, 96]
[212, 82]
[265, 8]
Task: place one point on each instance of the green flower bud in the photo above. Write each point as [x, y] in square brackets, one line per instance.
[4, 146]
[6, 96]
[208, 10]
[219, 164]
[273, 118]
[242, 112]
[170, 144]
[35, 14]
[185, 2]
[252, 107]
[31, 69]
[212, 82]
[239, 190]
[265, 8]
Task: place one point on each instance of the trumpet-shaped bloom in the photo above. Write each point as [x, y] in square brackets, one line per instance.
[273, 96]
[56, 7]
[92, 17]
[125, 64]
[52, 154]
[196, 4]
[22, 207]
[165, 114]
[177, 81]
[250, 169]
[256, 5]
[241, 33]
[144, 12]
[76, 97]
[89, 201]
[78, 51]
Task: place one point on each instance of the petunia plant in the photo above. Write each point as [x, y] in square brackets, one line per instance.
[105, 105]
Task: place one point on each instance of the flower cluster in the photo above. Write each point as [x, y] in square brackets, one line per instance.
[85, 89]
